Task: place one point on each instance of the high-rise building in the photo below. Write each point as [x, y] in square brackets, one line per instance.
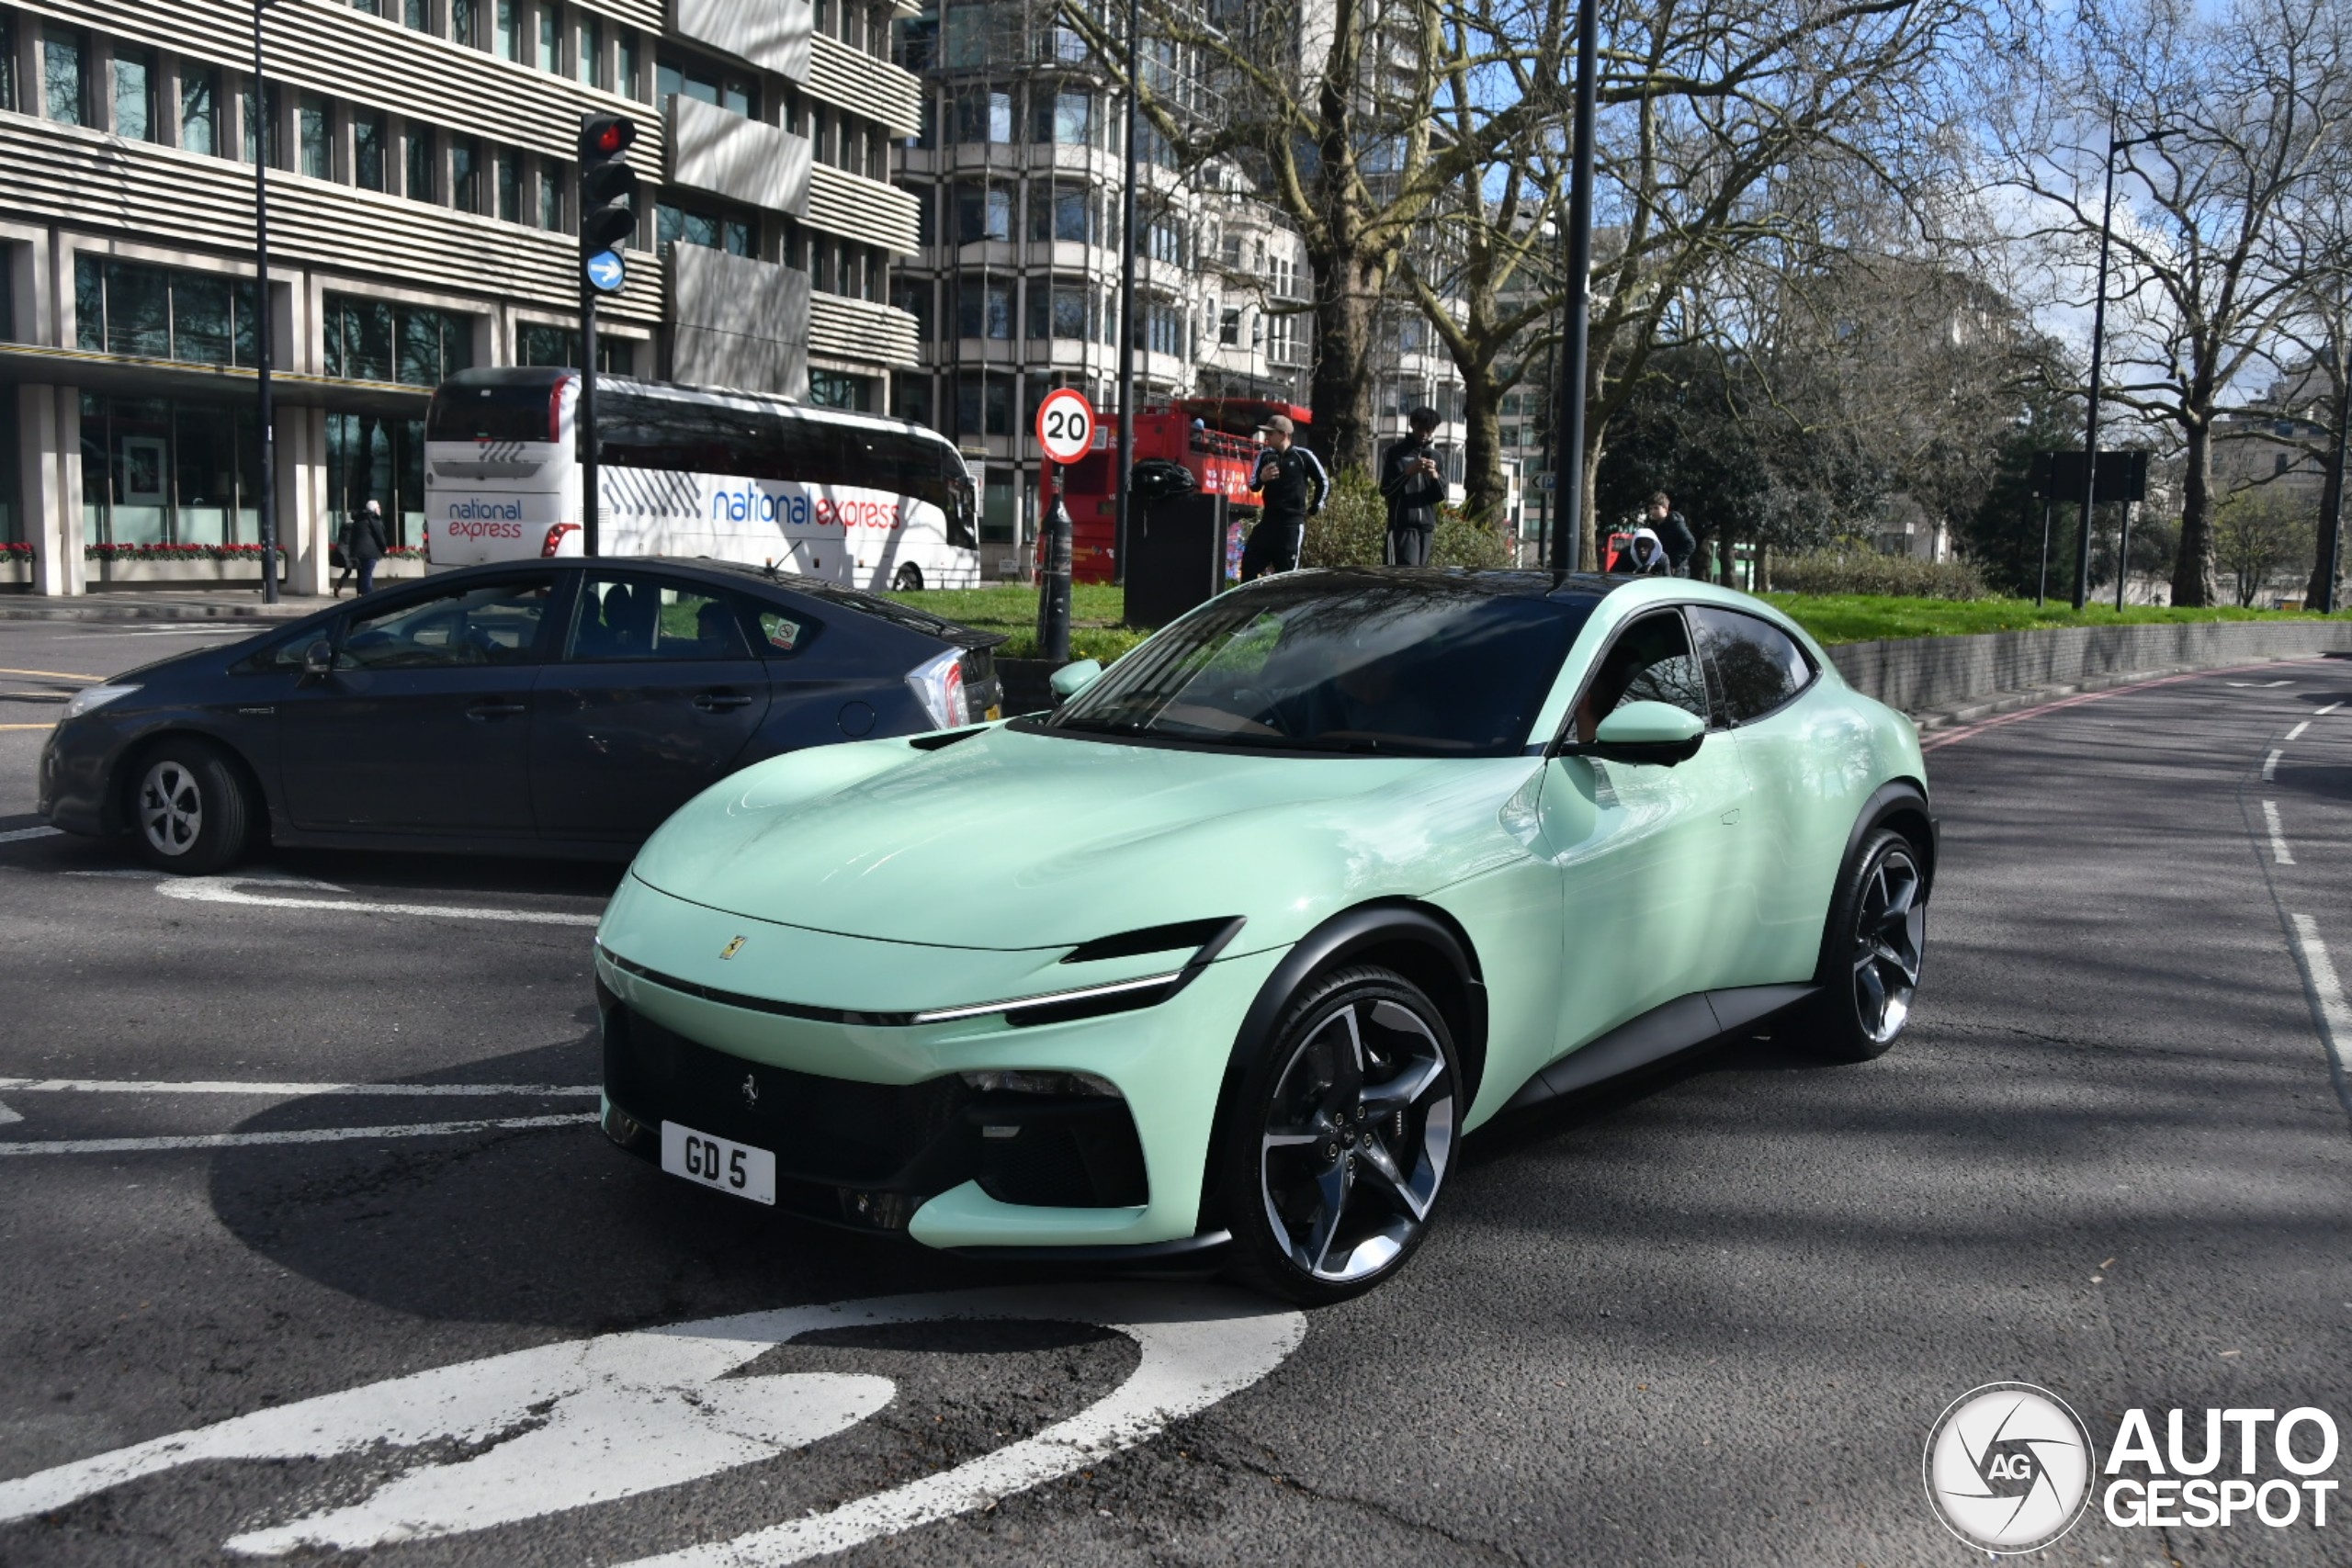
[422, 211]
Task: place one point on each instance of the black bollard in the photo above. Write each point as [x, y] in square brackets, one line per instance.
[1053, 583]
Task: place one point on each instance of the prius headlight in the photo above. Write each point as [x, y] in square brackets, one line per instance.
[90, 699]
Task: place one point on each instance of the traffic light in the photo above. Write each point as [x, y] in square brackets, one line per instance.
[607, 184]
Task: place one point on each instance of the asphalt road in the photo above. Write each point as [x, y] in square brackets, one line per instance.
[1707, 1319]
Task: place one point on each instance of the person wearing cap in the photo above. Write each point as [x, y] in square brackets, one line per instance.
[1673, 531]
[1291, 483]
[1410, 478]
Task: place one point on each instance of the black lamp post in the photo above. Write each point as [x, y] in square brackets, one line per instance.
[2099, 344]
[1126, 460]
[1567, 467]
[262, 314]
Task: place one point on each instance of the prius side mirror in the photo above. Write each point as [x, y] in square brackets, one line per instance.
[1657, 734]
[1072, 679]
[318, 661]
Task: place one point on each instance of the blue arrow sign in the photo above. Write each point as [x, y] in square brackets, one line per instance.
[606, 272]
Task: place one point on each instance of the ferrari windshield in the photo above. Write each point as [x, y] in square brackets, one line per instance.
[1365, 662]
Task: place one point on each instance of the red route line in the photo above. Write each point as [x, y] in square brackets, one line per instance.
[1968, 732]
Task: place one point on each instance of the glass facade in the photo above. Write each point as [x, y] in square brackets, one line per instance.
[371, 458]
[169, 471]
[832, 390]
[537, 343]
[64, 69]
[199, 108]
[134, 94]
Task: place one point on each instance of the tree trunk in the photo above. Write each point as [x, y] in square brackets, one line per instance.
[1483, 490]
[2193, 585]
[2331, 512]
[1341, 387]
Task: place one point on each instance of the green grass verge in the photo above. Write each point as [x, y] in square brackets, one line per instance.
[1095, 610]
[1860, 617]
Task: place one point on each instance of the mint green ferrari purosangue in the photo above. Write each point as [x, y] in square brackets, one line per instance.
[1227, 952]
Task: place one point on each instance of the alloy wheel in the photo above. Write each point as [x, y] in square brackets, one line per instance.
[1891, 932]
[171, 807]
[1357, 1139]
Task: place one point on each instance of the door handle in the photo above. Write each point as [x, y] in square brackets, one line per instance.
[494, 710]
[721, 702]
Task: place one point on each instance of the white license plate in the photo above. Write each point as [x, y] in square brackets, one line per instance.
[738, 1168]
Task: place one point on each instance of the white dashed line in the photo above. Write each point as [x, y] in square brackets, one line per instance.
[2270, 767]
[2327, 993]
[2279, 850]
[2297, 733]
[306, 1135]
[2328, 709]
[232, 890]
[7, 1115]
[285, 1090]
[16, 834]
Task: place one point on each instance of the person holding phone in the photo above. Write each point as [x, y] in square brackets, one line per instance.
[1414, 481]
[1293, 486]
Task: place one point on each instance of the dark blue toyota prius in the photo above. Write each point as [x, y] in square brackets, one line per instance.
[554, 707]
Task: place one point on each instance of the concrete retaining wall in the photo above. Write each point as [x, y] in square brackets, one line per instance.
[1921, 674]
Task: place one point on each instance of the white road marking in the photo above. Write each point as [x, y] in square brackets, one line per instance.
[232, 890]
[2279, 850]
[562, 1426]
[2270, 767]
[281, 1090]
[2297, 733]
[2327, 993]
[303, 1135]
[7, 1115]
[2328, 709]
[2259, 685]
[14, 834]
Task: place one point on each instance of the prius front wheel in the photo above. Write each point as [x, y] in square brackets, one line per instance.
[1341, 1136]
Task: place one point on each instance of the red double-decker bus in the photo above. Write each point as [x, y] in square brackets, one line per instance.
[1215, 438]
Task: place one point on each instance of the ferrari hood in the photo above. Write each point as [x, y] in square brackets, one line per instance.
[1021, 840]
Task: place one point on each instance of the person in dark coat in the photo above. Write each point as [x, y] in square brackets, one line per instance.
[363, 547]
[1410, 479]
[1673, 531]
[1292, 484]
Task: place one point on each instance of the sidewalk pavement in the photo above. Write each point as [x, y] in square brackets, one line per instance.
[140, 604]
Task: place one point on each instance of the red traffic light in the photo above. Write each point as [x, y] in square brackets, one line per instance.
[605, 136]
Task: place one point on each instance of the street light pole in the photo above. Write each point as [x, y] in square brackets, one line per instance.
[262, 314]
[1567, 467]
[1126, 460]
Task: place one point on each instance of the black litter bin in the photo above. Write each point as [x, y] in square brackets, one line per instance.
[1175, 557]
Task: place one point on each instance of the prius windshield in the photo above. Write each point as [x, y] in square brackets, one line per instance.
[1349, 662]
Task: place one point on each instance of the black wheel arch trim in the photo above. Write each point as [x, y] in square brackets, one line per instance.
[1896, 798]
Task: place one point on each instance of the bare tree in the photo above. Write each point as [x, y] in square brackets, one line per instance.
[2252, 98]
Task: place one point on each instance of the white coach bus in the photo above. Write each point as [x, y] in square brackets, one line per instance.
[872, 503]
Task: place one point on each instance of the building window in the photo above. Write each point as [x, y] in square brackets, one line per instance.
[464, 24]
[134, 95]
[1064, 116]
[696, 79]
[984, 308]
[536, 343]
[1061, 210]
[156, 312]
[1058, 310]
[983, 114]
[1163, 241]
[625, 76]
[157, 471]
[199, 108]
[589, 51]
[983, 211]
[420, 185]
[318, 151]
[63, 60]
[550, 54]
[830, 389]
[1164, 329]
[510, 185]
[416, 16]
[260, 116]
[465, 175]
[375, 340]
[553, 177]
[1229, 329]
[8, 102]
[369, 135]
[913, 295]
[509, 44]
[983, 406]
[690, 226]
[909, 398]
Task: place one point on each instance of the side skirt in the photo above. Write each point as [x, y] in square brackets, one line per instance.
[1662, 1031]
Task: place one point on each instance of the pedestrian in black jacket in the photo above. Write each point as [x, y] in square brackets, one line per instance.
[1673, 531]
[1410, 479]
[363, 546]
[1291, 483]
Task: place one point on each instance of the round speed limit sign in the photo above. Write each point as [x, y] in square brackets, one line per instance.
[1066, 425]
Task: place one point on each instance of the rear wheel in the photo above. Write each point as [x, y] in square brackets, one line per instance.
[1872, 952]
[1341, 1136]
[907, 579]
[190, 812]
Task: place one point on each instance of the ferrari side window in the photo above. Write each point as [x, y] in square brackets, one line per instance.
[1651, 662]
[1758, 666]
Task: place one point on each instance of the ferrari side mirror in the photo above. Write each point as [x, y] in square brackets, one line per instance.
[1657, 734]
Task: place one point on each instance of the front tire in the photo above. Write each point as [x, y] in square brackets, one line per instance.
[907, 579]
[190, 812]
[1340, 1138]
[1871, 951]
